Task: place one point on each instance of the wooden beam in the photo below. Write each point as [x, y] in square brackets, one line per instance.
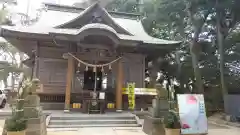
[93, 46]
[69, 83]
[119, 86]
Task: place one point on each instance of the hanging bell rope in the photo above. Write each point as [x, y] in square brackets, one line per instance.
[102, 70]
[95, 65]
[95, 69]
[110, 67]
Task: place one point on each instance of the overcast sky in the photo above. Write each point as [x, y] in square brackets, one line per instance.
[22, 5]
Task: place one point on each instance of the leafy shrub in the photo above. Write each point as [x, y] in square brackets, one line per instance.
[172, 120]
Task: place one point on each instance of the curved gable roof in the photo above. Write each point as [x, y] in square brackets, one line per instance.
[57, 16]
[88, 14]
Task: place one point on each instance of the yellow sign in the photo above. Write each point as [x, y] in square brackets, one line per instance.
[141, 91]
[131, 96]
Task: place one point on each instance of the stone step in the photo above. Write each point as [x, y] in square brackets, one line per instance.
[88, 122]
[92, 125]
[89, 117]
[74, 120]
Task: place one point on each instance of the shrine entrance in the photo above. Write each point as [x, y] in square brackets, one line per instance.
[93, 80]
[93, 96]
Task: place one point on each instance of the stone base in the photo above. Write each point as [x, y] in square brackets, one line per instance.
[172, 131]
[153, 126]
[4, 132]
[36, 126]
[16, 132]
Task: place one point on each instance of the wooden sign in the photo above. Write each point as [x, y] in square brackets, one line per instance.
[131, 96]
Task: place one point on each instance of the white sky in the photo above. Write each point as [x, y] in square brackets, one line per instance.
[22, 5]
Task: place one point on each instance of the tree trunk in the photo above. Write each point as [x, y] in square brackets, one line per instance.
[220, 41]
[197, 74]
[153, 73]
[12, 80]
[194, 47]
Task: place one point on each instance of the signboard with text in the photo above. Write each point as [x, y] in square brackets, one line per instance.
[192, 114]
[131, 95]
[141, 91]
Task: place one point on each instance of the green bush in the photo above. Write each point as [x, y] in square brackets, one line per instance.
[17, 121]
[16, 124]
[172, 120]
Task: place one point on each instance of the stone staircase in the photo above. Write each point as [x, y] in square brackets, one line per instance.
[93, 120]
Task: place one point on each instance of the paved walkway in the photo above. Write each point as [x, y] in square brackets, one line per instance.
[213, 130]
[100, 131]
[113, 131]
[223, 132]
[216, 129]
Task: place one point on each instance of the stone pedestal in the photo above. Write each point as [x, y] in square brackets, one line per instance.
[33, 112]
[160, 107]
[153, 126]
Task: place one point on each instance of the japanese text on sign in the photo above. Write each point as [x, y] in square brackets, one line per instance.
[131, 96]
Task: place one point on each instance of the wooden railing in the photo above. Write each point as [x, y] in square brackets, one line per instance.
[45, 97]
[56, 97]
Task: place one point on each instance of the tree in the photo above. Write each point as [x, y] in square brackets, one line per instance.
[8, 52]
[6, 69]
[87, 3]
[211, 30]
[226, 19]
[127, 6]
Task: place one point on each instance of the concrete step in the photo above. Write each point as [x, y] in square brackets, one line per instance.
[93, 125]
[92, 120]
[97, 121]
[94, 117]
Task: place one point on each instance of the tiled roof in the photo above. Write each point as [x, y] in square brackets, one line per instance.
[50, 19]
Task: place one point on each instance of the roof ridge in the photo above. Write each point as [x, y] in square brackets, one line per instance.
[51, 6]
[91, 9]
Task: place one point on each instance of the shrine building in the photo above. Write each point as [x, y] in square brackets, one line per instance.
[84, 58]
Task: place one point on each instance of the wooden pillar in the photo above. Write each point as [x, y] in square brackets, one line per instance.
[119, 86]
[69, 83]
